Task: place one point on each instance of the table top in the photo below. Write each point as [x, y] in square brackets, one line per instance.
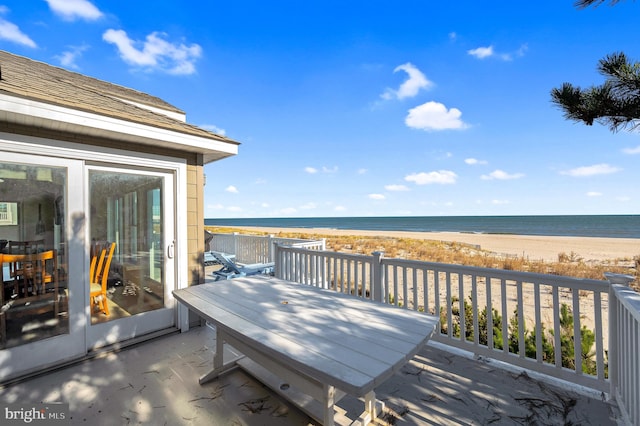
[338, 339]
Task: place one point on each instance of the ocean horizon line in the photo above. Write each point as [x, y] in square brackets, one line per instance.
[612, 226]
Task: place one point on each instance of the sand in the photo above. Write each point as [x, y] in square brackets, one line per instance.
[532, 247]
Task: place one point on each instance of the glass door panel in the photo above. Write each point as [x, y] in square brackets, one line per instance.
[42, 243]
[34, 297]
[132, 209]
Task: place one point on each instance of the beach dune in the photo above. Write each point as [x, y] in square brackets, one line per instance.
[533, 247]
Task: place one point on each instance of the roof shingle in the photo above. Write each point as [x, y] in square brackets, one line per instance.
[38, 81]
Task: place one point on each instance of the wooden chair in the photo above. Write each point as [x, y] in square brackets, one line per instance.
[23, 247]
[39, 279]
[98, 276]
[32, 272]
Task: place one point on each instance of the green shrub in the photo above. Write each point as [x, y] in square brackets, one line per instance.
[587, 337]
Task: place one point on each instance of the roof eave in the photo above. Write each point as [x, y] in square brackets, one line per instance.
[42, 115]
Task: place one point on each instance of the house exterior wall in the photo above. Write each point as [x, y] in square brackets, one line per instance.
[195, 220]
[195, 184]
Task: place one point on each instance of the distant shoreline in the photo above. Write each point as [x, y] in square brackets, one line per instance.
[605, 226]
[534, 247]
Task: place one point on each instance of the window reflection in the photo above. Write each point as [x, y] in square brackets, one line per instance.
[33, 300]
[126, 210]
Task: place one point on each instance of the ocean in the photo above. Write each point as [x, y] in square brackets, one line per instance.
[611, 226]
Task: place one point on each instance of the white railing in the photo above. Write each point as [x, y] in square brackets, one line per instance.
[257, 248]
[624, 353]
[550, 324]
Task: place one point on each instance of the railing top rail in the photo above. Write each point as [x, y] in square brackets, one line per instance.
[276, 239]
[332, 254]
[628, 298]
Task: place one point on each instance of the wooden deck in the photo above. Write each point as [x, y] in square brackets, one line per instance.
[157, 383]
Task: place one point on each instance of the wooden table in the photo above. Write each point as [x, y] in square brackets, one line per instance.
[311, 345]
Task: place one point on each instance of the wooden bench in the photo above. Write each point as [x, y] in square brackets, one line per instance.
[311, 346]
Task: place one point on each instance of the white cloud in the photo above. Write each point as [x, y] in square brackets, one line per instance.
[441, 177]
[411, 86]
[308, 206]
[487, 52]
[213, 128]
[522, 50]
[632, 151]
[453, 36]
[10, 32]
[333, 169]
[474, 161]
[339, 208]
[234, 209]
[376, 196]
[596, 169]
[594, 194]
[68, 59]
[396, 188]
[434, 116]
[501, 175]
[324, 169]
[71, 10]
[288, 210]
[362, 171]
[481, 52]
[232, 189]
[155, 52]
[500, 202]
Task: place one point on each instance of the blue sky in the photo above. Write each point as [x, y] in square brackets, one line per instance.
[366, 108]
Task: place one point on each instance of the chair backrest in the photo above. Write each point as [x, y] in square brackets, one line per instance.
[227, 263]
[99, 270]
[92, 267]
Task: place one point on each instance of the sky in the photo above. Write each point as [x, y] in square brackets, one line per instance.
[366, 108]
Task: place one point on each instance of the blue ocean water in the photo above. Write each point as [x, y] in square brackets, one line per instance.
[613, 226]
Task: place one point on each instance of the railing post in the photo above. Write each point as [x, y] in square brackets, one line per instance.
[270, 253]
[236, 243]
[614, 358]
[277, 267]
[376, 283]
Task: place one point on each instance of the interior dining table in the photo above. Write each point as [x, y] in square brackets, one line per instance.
[311, 345]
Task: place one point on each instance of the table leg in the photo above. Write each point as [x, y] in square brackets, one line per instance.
[218, 356]
[329, 401]
[219, 366]
[370, 405]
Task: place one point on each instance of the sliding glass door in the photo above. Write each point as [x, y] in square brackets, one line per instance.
[87, 253]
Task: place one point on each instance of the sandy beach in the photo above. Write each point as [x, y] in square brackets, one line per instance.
[533, 247]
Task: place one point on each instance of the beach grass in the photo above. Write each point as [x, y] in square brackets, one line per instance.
[567, 264]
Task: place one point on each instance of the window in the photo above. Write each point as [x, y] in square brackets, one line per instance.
[8, 214]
